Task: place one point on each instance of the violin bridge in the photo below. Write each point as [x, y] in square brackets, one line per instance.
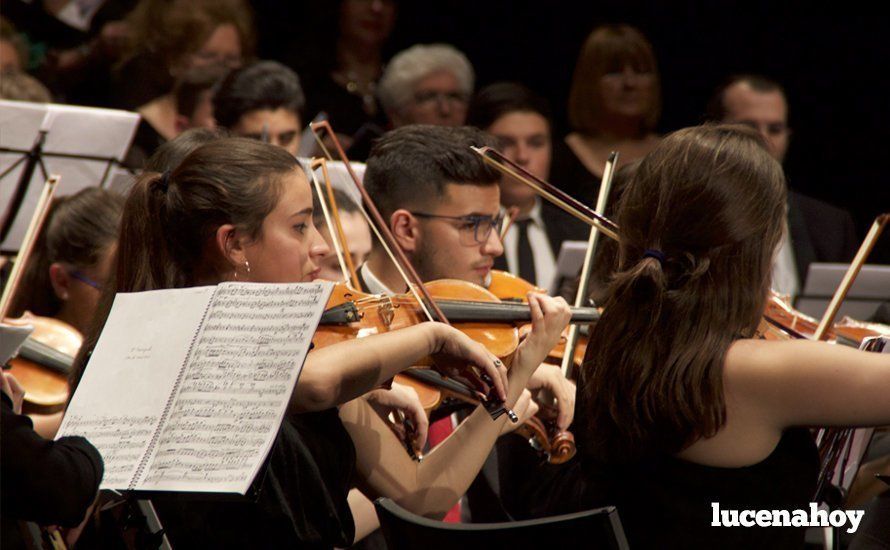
[385, 310]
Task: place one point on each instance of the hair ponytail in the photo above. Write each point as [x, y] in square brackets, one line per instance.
[143, 251]
[699, 222]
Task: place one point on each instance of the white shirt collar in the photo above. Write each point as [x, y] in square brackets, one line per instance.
[375, 285]
[535, 213]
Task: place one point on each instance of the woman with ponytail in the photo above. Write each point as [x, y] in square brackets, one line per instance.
[682, 407]
[239, 209]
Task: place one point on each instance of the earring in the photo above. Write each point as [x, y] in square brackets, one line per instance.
[247, 267]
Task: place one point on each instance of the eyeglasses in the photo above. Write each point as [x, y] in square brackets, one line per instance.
[479, 227]
[432, 97]
[82, 277]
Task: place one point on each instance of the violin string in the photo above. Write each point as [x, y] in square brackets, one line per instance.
[335, 236]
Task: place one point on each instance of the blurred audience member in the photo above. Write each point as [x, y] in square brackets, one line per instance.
[21, 86]
[427, 84]
[169, 38]
[614, 105]
[344, 87]
[520, 120]
[263, 100]
[72, 45]
[188, 105]
[13, 50]
[815, 231]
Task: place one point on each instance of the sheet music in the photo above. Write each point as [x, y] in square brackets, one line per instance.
[131, 375]
[236, 387]
[110, 132]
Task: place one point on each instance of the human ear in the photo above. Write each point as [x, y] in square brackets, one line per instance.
[60, 280]
[405, 229]
[230, 245]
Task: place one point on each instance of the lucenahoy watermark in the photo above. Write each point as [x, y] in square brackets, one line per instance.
[786, 518]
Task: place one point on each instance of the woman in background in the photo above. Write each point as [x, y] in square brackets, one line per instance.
[614, 105]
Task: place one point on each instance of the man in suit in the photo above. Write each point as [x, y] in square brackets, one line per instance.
[520, 121]
[818, 231]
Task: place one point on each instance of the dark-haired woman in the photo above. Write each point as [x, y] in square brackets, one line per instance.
[684, 410]
[72, 261]
[239, 207]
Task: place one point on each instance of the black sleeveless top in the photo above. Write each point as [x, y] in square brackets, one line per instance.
[667, 502]
[301, 502]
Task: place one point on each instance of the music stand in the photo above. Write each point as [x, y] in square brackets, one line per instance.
[83, 144]
[871, 289]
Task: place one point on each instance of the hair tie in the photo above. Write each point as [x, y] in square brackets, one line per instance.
[165, 181]
[657, 254]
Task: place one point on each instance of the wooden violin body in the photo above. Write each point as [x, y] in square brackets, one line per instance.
[781, 322]
[43, 364]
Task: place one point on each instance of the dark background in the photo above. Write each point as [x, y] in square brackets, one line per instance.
[832, 61]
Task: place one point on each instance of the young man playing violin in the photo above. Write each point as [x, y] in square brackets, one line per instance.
[442, 204]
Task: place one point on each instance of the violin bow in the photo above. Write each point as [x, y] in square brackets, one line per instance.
[511, 215]
[395, 252]
[18, 268]
[560, 198]
[852, 272]
[333, 222]
[568, 359]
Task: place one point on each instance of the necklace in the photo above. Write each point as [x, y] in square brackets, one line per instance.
[363, 88]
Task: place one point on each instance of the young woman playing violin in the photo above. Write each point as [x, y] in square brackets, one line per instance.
[61, 285]
[682, 407]
[241, 209]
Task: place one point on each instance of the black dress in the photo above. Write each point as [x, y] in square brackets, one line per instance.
[48, 482]
[345, 111]
[301, 502]
[569, 174]
[667, 502]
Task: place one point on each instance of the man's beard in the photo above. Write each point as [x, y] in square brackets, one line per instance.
[425, 263]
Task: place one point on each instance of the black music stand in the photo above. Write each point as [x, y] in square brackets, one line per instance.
[83, 144]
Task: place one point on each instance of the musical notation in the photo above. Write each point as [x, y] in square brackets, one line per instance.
[236, 384]
[121, 440]
[194, 401]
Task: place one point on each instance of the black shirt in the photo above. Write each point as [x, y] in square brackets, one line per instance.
[301, 503]
[44, 481]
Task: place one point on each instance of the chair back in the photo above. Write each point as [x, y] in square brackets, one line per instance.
[592, 529]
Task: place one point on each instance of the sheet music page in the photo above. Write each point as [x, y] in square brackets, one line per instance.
[236, 387]
[131, 375]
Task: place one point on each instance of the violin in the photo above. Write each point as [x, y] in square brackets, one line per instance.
[474, 310]
[351, 314]
[44, 362]
[781, 322]
[510, 288]
[45, 359]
